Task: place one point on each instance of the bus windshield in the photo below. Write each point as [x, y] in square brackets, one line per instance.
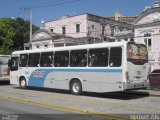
[137, 53]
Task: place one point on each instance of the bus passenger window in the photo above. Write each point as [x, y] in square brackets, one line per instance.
[61, 59]
[33, 60]
[23, 60]
[78, 58]
[115, 57]
[98, 57]
[46, 59]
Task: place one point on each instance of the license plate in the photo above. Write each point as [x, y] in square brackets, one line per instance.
[138, 72]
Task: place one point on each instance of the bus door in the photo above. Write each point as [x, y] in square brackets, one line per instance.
[14, 68]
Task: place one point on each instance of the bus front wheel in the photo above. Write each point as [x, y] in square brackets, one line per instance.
[76, 87]
[23, 83]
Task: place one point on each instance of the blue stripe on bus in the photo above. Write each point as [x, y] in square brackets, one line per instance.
[38, 76]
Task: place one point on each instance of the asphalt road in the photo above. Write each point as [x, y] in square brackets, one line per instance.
[11, 109]
[115, 105]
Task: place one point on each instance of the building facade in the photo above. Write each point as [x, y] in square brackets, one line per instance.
[88, 28]
[118, 17]
[79, 29]
[147, 31]
[44, 38]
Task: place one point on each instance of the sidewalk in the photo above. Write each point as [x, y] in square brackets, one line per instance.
[151, 92]
[154, 92]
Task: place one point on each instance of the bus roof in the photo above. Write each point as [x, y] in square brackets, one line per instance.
[76, 47]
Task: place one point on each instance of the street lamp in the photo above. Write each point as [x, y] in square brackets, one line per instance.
[30, 14]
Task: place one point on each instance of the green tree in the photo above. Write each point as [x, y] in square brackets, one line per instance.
[7, 33]
[22, 29]
[14, 32]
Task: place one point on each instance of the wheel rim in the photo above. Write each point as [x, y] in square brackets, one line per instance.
[23, 83]
[76, 87]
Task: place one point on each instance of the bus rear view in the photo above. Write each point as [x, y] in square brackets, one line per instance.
[137, 66]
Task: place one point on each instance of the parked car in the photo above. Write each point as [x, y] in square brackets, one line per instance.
[4, 69]
[154, 78]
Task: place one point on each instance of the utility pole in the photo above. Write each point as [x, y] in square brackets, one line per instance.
[30, 14]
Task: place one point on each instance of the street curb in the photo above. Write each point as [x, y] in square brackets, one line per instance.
[154, 92]
[149, 92]
[153, 95]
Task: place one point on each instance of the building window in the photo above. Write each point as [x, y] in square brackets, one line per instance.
[147, 35]
[112, 31]
[63, 30]
[103, 30]
[92, 27]
[148, 41]
[51, 30]
[77, 28]
[45, 45]
[37, 46]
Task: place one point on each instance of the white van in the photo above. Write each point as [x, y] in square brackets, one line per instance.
[4, 69]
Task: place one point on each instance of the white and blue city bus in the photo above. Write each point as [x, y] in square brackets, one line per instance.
[103, 67]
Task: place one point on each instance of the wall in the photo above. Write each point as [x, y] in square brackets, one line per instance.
[148, 23]
[70, 24]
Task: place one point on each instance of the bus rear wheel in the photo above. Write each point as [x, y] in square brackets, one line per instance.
[76, 87]
[23, 83]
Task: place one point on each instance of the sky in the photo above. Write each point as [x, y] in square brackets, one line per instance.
[52, 9]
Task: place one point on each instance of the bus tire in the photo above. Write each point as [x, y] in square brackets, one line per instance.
[76, 87]
[23, 83]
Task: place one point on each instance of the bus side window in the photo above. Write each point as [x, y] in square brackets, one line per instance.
[23, 60]
[78, 58]
[98, 57]
[34, 60]
[46, 59]
[115, 57]
[61, 59]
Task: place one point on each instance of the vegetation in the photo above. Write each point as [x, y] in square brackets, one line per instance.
[14, 32]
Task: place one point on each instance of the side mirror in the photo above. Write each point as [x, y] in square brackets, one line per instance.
[9, 63]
